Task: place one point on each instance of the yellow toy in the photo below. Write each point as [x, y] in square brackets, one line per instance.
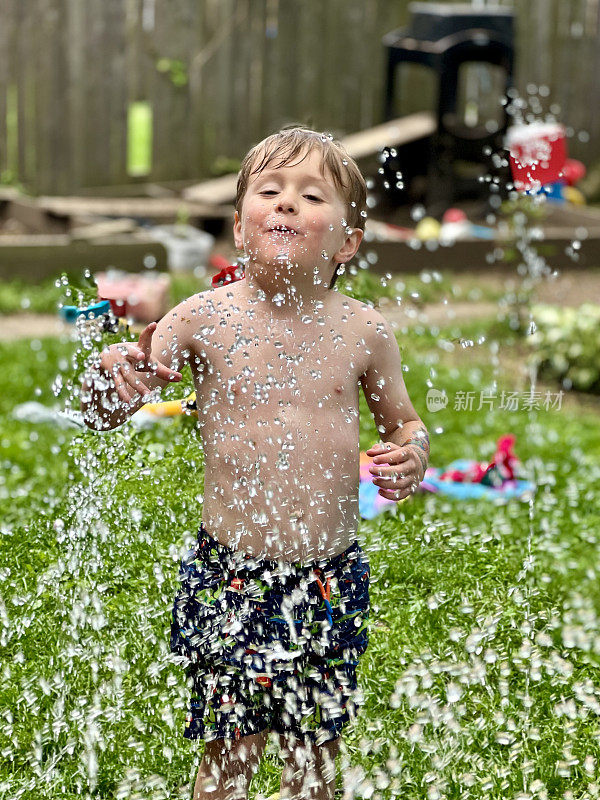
[573, 195]
[428, 228]
[172, 408]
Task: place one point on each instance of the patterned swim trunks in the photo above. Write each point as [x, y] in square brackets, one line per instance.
[270, 645]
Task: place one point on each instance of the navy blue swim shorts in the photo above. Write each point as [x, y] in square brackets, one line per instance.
[270, 645]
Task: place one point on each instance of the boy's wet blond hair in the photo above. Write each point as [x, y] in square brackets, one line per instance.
[283, 147]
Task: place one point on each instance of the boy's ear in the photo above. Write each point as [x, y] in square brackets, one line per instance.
[237, 231]
[350, 246]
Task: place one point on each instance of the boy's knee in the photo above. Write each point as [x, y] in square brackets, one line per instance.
[300, 755]
[238, 756]
[328, 753]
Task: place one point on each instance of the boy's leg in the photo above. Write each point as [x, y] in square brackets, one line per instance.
[225, 772]
[309, 769]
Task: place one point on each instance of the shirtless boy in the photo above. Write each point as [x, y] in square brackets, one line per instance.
[273, 608]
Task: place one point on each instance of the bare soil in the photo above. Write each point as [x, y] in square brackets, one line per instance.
[26, 326]
[570, 288]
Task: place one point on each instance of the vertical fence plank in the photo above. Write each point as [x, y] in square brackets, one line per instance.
[583, 85]
[281, 68]
[52, 103]
[220, 19]
[145, 51]
[197, 111]
[133, 48]
[25, 73]
[74, 89]
[115, 46]
[96, 80]
[256, 70]
[205, 62]
[334, 62]
[183, 126]
[227, 65]
[308, 98]
[240, 77]
[351, 38]
[594, 103]
[269, 87]
[369, 57]
[7, 37]
[39, 61]
[159, 90]
[168, 98]
[188, 124]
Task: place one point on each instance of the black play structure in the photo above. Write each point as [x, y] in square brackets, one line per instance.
[442, 37]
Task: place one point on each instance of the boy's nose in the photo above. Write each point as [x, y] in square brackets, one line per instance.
[286, 204]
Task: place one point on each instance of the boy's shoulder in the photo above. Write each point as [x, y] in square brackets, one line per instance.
[365, 313]
[205, 300]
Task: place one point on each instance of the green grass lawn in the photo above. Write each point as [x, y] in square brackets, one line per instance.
[481, 678]
[45, 296]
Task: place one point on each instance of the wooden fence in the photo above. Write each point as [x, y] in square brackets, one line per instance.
[221, 74]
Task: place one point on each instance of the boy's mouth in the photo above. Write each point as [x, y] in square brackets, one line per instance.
[282, 230]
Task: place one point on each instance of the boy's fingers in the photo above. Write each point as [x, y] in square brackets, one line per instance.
[121, 388]
[136, 384]
[399, 493]
[389, 474]
[394, 494]
[127, 383]
[394, 485]
[158, 369]
[145, 340]
[166, 374]
[393, 457]
[389, 469]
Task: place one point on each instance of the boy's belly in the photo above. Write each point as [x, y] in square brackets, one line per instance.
[285, 486]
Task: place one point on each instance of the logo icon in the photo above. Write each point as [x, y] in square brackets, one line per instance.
[436, 400]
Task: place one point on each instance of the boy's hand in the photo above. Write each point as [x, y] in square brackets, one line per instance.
[397, 470]
[124, 359]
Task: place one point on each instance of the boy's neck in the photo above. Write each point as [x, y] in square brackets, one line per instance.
[285, 300]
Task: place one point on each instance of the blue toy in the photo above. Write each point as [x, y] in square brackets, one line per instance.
[71, 313]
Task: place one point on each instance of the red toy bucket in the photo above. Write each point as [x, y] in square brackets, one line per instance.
[537, 154]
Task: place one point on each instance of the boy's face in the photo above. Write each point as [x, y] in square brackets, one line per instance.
[292, 220]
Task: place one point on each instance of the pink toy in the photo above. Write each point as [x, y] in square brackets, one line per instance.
[144, 297]
[454, 215]
[574, 171]
[455, 225]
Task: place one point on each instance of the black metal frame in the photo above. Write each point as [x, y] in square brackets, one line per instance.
[445, 55]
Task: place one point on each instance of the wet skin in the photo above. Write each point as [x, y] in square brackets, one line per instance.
[278, 411]
[277, 401]
[277, 361]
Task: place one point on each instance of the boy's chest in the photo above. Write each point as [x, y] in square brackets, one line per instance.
[318, 359]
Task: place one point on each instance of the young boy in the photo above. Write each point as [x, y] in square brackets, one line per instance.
[273, 610]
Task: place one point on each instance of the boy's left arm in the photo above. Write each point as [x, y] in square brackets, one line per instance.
[400, 461]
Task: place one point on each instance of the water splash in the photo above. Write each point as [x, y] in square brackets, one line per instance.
[485, 672]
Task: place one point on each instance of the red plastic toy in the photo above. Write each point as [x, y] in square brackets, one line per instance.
[229, 273]
[501, 468]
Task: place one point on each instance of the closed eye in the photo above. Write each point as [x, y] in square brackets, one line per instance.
[308, 196]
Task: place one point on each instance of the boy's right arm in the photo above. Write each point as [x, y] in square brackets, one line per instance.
[117, 386]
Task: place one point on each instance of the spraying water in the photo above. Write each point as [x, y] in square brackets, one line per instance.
[467, 677]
